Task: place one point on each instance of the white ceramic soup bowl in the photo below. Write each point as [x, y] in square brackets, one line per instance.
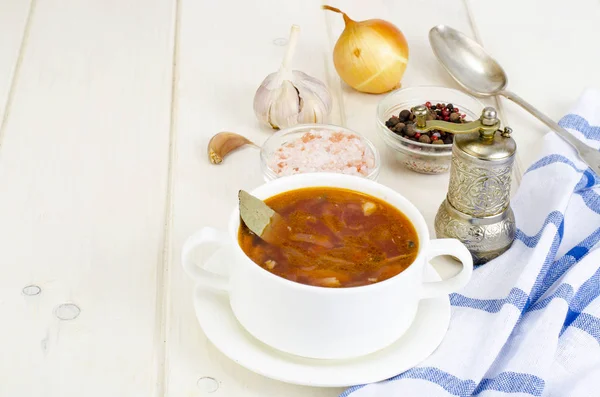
[319, 322]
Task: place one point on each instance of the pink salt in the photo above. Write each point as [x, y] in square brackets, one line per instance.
[323, 151]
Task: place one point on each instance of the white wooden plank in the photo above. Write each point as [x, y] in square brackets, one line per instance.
[224, 54]
[83, 177]
[547, 50]
[13, 23]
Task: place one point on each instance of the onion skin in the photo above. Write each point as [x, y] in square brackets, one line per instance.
[370, 56]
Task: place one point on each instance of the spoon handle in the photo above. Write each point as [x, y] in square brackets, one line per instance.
[590, 156]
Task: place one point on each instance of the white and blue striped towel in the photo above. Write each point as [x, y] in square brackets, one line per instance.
[528, 324]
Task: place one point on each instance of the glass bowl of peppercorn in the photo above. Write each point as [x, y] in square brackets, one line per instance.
[431, 152]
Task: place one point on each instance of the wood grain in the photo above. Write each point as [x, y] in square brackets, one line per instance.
[83, 176]
[14, 17]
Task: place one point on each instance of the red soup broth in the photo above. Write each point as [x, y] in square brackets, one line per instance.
[338, 238]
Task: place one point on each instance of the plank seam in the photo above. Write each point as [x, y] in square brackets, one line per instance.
[163, 279]
[518, 168]
[16, 70]
[333, 80]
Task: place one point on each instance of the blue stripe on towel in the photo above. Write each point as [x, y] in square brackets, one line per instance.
[564, 291]
[351, 390]
[587, 181]
[588, 292]
[588, 323]
[538, 288]
[577, 302]
[516, 297]
[512, 382]
[551, 159]
[507, 382]
[573, 256]
[448, 382]
[591, 200]
[578, 123]
[555, 217]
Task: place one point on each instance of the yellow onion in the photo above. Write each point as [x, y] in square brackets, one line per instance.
[370, 56]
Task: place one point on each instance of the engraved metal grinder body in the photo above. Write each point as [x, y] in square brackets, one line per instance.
[477, 209]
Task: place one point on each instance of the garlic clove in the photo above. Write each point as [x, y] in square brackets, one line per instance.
[263, 98]
[285, 106]
[224, 143]
[315, 100]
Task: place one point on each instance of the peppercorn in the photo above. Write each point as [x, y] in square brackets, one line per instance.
[403, 124]
[405, 114]
[392, 121]
[399, 128]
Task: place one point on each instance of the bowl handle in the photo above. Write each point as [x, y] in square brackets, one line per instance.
[207, 235]
[453, 247]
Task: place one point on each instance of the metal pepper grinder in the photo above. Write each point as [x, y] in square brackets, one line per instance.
[477, 209]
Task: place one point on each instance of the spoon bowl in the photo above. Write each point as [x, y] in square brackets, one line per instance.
[467, 62]
[478, 73]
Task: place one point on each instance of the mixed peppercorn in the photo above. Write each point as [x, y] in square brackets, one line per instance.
[403, 124]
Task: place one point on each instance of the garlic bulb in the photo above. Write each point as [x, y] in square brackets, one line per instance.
[289, 97]
[370, 56]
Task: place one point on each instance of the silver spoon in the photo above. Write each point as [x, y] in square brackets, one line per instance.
[475, 70]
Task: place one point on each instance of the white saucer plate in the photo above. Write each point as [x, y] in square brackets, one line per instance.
[227, 334]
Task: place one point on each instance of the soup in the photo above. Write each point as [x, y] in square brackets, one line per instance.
[338, 238]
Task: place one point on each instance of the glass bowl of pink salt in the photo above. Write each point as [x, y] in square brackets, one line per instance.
[309, 148]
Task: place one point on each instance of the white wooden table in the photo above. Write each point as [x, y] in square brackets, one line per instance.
[106, 108]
